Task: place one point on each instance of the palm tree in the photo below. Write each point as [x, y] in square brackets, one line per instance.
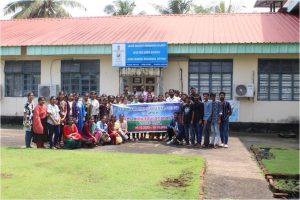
[221, 8]
[175, 7]
[120, 7]
[40, 8]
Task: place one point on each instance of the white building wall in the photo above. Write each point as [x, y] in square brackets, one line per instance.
[244, 67]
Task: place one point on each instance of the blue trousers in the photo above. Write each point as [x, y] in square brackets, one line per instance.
[53, 129]
[206, 133]
[224, 131]
[196, 131]
[28, 137]
[187, 128]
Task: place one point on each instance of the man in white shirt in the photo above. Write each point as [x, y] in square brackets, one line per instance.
[53, 122]
[172, 98]
[95, 106]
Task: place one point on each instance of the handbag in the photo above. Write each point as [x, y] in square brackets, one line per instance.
[119, 140]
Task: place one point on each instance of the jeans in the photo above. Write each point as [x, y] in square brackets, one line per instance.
[215, 133]
[197, 131]
[224, 131]
[53, 129]
[179, 134]
[28, 137]
[187, 128]
[206, 133]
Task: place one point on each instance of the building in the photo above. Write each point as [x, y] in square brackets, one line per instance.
[211, 52]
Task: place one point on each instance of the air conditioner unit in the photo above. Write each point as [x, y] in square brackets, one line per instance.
[244, 90]
[47, 90]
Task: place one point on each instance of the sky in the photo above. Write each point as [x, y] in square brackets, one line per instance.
[96, 7]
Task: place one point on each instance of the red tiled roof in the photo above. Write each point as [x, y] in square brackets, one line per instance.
[174, 29]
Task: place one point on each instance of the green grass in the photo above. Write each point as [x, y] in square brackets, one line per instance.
[50, 174]
[286, 160]
[287, 184]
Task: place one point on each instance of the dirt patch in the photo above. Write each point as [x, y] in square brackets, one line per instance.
[182, 180]
[6, 175]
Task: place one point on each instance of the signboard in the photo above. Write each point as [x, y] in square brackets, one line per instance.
[142, 54]
[147, 117]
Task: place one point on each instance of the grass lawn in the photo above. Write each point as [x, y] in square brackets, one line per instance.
[51, 174]
[284, 160]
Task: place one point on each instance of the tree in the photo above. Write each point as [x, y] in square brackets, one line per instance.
[175, 7]
[201, 9]
[120, 7]
[40, 8]
[221, 8]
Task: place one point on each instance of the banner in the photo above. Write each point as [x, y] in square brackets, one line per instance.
[147, 117]
[141, 54]
[235, 108]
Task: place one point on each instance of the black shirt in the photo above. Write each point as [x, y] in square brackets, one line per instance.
[187, 113]
[198, 109]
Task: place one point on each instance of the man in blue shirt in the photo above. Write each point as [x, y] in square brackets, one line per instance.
[215, 120]
[206, 118]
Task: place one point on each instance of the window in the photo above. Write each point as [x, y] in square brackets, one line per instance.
[211, 76]
[80, 75]
[22, 77]
[278, 80]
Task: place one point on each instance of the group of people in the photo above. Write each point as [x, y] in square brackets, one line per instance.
[71, 121]
[199, 117]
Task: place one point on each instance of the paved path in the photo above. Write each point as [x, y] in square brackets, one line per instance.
[231, 173]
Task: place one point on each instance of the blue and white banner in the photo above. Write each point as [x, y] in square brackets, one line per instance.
[235, 111]
[142, 54]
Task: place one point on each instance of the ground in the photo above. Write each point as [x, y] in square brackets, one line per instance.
[231, 173]
[96, 174]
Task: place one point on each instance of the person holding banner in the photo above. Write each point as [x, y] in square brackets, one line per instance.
[113, 133]
[121, 125]
[174, 131]
[196, 122]
[172, 97]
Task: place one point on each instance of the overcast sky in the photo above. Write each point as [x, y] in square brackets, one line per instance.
[96, 7]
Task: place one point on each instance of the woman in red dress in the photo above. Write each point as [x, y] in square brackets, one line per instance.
[89, 133]
[72, 139]
[39, 123]
[111, 129]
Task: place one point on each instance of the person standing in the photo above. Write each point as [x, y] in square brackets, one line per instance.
[126, 91]
[225, 114]
[172, 97]
[79, 107]
[104, 108]
[53, 122]
[27, 120]
[39, 123]
[95, 106]
[62, 105]
[87, 105]
[215, 121]
[196, 122]
[206, 119]
[187, 118]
